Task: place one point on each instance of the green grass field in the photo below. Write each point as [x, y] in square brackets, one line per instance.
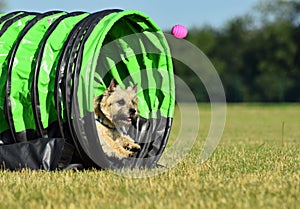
[256, 165]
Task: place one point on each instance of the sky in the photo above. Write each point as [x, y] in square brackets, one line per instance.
[165, 13]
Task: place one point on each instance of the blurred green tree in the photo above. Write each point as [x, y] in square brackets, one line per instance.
[257, 55]
[270, 11]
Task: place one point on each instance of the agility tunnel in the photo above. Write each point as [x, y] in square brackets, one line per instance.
[53, 64]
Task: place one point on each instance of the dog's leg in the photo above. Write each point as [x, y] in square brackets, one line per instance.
[127, 142]
[111, 147]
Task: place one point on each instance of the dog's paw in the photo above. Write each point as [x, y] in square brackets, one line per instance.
[133, 146]
[123, 153]
[129, 143]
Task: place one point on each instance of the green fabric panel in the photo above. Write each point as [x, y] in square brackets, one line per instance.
[117, 25]
[161, 74]
[46, 78]
[22, 74]
[7, 41]
[158, 90]
[154, 77]
[86, 84]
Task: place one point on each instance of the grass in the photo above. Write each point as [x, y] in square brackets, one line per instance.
[256, 165]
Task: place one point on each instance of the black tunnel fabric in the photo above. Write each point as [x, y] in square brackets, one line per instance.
[38, 154]
[57, 62]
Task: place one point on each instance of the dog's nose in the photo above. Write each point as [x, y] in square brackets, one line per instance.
[132, 111]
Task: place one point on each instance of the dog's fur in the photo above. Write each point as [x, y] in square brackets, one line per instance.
[116, 110]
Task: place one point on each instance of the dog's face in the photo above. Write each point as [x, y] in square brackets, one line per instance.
[120, 106]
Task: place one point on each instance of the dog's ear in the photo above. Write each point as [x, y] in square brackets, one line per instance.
[135, 88]
[112, 85]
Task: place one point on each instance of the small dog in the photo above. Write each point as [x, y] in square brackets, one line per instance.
[115, 111]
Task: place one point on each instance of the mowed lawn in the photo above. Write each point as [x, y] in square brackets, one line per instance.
[256, 165]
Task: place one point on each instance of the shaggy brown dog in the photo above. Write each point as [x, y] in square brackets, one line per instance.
[115, 112]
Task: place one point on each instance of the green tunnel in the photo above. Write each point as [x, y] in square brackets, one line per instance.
[53, 64]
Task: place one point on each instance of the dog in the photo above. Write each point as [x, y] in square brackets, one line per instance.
[115, 111]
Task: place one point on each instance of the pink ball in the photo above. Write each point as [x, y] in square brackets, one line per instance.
[179, 31]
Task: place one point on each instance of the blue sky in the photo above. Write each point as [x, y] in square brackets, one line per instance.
[165, 13]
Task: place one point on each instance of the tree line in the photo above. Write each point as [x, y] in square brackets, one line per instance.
[257, 55]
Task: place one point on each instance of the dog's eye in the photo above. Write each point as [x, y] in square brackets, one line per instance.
[121, 102]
